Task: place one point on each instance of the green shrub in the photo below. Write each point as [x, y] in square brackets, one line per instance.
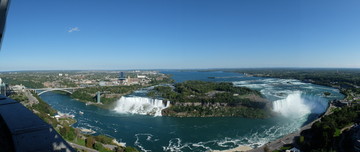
[103, 139]
[130, 149]
[89, 142]
[98, 146]
[68, 133]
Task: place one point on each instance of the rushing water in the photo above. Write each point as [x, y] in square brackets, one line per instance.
[297, 103]
[140, 105]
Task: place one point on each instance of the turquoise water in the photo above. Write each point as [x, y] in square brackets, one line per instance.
[296, 103]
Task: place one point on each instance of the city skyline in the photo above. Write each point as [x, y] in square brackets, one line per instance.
[112, 35]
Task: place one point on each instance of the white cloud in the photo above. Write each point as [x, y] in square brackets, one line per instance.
[73, 29]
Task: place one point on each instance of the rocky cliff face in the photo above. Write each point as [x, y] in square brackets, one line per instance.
[253, 109]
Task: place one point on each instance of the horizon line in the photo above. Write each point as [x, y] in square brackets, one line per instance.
[162, 69]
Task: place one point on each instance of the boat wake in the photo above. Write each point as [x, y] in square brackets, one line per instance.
[254, 139]
[296, 107]
[289, 102]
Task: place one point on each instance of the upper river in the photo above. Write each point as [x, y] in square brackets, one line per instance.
[296, 102]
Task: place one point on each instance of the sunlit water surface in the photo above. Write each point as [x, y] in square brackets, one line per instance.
[297, 103]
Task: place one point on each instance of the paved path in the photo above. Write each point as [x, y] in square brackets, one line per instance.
[288, 139]
[82, 147]
[32, 99]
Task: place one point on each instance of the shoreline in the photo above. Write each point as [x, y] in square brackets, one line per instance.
[272, 145]
[289, 138]
[277, 143]
[236, 149]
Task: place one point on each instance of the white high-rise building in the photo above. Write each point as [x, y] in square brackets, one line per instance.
[2, 88]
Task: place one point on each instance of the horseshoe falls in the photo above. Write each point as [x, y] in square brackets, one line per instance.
[297, 105]
[133, 121]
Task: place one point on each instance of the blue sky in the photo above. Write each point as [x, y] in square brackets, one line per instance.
[173, 34]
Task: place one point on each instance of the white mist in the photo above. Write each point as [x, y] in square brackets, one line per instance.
[140, 105]
[296, 105]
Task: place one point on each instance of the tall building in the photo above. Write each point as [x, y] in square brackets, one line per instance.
[122, 76]
[2, 88]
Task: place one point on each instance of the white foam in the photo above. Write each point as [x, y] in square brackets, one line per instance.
[138, 144]
[140, 105]
[254, 139]
[296, 105]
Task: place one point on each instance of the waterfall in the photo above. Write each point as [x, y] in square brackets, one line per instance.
[140, 105]
[297, 105]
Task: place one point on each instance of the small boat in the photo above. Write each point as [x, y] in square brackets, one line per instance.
[64, 115]
[80, 112]
[87, 131]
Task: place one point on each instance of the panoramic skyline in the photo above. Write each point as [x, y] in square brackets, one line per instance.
[98, 35]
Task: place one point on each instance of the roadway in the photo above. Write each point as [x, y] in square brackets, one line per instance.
[290, 138]
[79, 147]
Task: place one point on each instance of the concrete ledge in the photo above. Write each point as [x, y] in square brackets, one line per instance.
[27, 131]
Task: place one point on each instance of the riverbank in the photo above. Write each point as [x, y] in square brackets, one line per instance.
[109, 94]
[322, 136]
[237, 149]
[290, 138]
[63, 124]
[211, 99]
[138, 130]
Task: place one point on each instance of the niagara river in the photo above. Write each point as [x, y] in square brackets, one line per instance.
[136, 119]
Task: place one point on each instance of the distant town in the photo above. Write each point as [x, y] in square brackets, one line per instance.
[86, 86]
[338, 128]
[17, 81]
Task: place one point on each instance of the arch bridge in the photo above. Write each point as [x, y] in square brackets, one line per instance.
[44, 90]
